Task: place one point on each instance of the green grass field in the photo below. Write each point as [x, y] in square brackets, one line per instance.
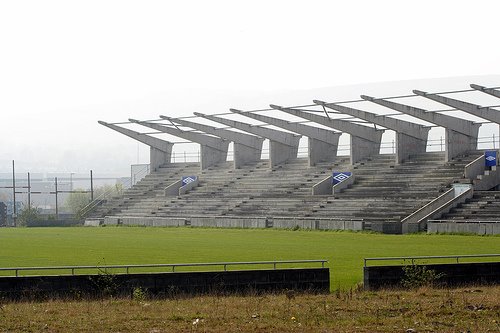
[133, 245]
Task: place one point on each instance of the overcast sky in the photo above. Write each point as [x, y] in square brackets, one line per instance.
[66, 64]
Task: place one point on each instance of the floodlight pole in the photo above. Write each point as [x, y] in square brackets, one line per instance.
[14, 217]
[57, 208]
[91, 187]
[29, 191]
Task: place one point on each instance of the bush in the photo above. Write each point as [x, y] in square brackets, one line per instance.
[27, 215]
[419, 276]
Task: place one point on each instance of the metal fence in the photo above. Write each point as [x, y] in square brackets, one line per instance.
[412, 260]
[126, 268]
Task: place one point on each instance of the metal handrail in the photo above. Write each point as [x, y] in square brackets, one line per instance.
[463, 221]
[97, 201]
[173, 266]
[457, 257]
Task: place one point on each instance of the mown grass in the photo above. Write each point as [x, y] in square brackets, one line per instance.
[424, 310]
[134, 245]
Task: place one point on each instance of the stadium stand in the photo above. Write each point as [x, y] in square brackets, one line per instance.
[388, 192]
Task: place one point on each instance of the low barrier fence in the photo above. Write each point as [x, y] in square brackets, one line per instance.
[127, 268]
[458, 270]
[413, 260]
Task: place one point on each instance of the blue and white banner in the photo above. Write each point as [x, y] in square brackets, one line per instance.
[188, 179]
[490, 158]
[339, 177]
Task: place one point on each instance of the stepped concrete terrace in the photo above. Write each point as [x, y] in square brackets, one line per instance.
[483, 206]
[383, 193]
[151, 185]
[256, 190]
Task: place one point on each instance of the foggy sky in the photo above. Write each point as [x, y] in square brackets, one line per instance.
[65, 65]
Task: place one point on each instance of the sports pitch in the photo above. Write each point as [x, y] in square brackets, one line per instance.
[135, 245]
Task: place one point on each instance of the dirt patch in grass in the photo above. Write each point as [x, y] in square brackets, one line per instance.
[423, 310]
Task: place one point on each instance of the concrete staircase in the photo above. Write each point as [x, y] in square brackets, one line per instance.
[150, 186]
[483, 206]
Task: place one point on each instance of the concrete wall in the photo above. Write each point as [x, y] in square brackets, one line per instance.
[244, 155]
[315, 223]
[394, 228]
[458, 144]
[228, 222]
[167, 284]
[211, 156]
[173, 189]
[376, 277]
[238, 222]
[54, 223]
[157, 158]
[362, 148]
[319, 151]
[480, 228]
[323, 187]
[145, 221]
[407, 145]
[280, 153]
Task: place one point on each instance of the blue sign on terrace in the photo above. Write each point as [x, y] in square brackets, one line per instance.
[188, 179]
[339, 177]
[490, 158]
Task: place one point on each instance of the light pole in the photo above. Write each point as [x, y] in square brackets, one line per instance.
[71, 181]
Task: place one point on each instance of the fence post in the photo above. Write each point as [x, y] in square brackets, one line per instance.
[92, 186]
[29, 191]
[57, 208]
[14, 210]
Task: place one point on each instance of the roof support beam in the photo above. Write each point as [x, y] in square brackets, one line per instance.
[247, 148]
[213, 150]
[323, 144]
[410, 138]
[489, 91]
[365, 141]
[160, 151]
[461, 135]
[282, 146]
[483, 112]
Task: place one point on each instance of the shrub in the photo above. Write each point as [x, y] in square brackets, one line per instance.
[419, 276]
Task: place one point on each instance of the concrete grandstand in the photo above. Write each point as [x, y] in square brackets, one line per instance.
[396, 192]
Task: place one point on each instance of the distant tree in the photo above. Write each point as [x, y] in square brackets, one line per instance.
[76, 201]
[27, 215]
[4, 197]
[108, 191]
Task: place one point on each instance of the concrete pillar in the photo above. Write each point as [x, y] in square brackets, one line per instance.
[461, 135]
[213, 150]
[489, 91]
[160, 151]
[282, 147]
[323, 144]
[410, 138]
[365, 141]
[483, 112]
[247, 148]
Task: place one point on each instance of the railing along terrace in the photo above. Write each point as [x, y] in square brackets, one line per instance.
[464, 221]
[412, 260]
[127, 268]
